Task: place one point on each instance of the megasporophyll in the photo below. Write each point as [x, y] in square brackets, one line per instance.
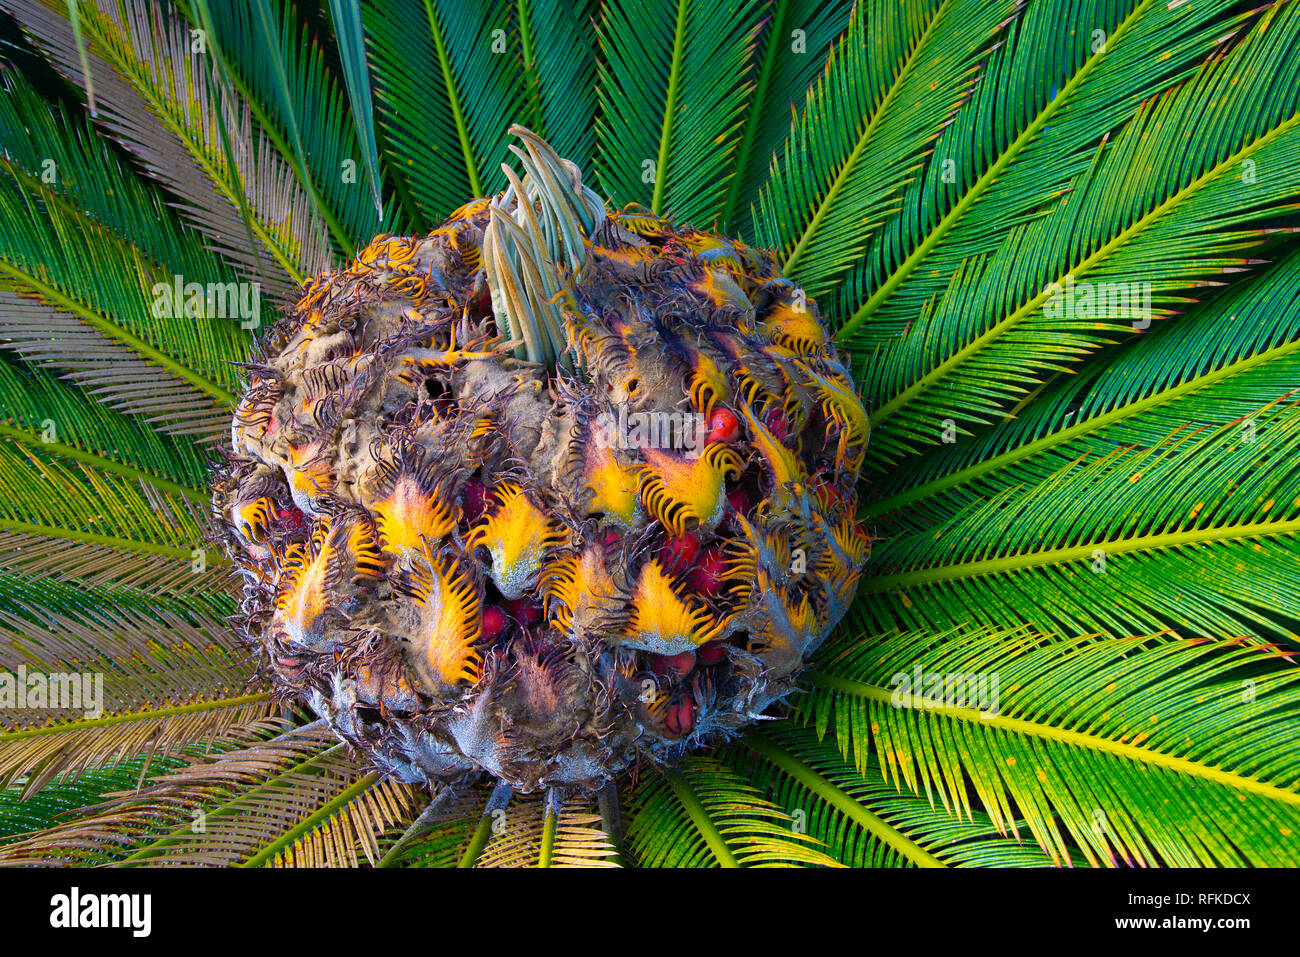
[545, 493]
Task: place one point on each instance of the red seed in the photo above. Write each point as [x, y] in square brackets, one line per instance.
[678, 664]
[738, 499]
[777, 423]
[681, 717]
[523, 610]
[711, 653]
[473, 499]
[495, 623]
[826, 493]
[678, 553]
[723, 426]
[291, 516]
[706, 576]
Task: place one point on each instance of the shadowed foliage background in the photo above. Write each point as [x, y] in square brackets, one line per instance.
[1101, 509]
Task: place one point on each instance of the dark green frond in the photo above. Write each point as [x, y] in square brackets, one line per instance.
[888, 89]
[559, 63]
[346, 15]
[1199, 533]
[446, 74]
[863, 820]
[703, 814]
[38, 409]
[1143, 751]
[1066, 75]
[792, 42]
[137, 61]
[1012, 316]
[1220, 363]
[211, 807]
[68, 794]
[674, 79]
[279, 69]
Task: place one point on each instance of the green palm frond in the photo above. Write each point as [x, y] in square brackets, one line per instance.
[331, 835]
[40, 410]
[280, 72]
[559, 64]
[791, 46]
[1141, 750]
[863, 820]
[39, 754]
[1046, 97]
[547, 831]
[171, 675]
[111, 364]
[21, 817]
[210, 808]
[161, 105]
[445, 73]
[439, 836]
[48, 495]
[48, 149]
[346, 15]
[888, 88]
[1141, 194]
[673, 83]
[72, 264]
[1218, 364]
[703, 814]
[1197, 533]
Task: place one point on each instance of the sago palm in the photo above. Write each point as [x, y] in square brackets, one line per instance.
[310, 316]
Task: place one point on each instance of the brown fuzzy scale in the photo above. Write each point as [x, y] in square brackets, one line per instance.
[395, 472]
